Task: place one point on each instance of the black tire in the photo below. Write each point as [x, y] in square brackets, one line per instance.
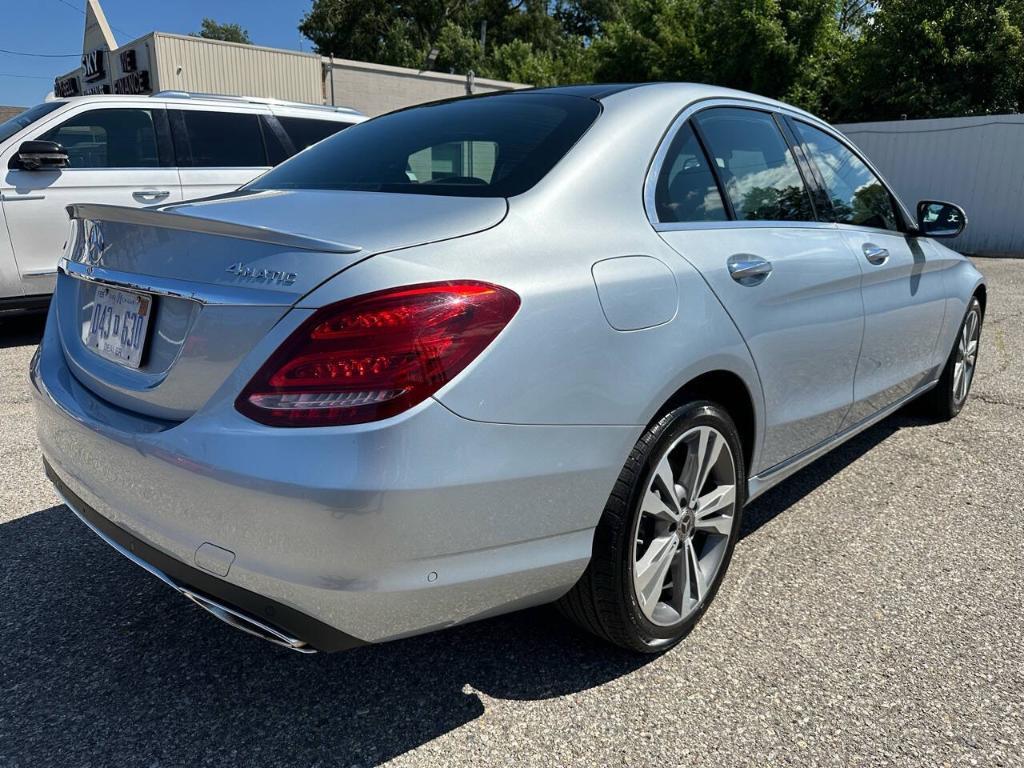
[941, 403]
[604, 601]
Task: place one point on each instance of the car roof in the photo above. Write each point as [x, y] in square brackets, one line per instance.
[637, 93]
[275, 106]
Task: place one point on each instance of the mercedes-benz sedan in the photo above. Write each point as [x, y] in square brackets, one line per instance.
[492, 352]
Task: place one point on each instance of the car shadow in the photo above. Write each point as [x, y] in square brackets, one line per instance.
[103, 662]
[22, 330]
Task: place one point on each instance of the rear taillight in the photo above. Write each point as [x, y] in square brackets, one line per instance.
[376, 355]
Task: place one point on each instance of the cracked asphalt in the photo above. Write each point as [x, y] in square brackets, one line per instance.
[872, 616]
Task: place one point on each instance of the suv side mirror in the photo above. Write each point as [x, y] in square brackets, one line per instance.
[938, 219]
[39, 156]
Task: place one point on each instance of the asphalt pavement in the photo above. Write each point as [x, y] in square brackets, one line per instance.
[872, 615]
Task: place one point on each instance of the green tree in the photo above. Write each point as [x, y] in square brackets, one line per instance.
[525, 42]
[921, 58]
[232, 33]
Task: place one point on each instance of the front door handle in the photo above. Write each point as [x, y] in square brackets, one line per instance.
[875, 254]
[748, 269]
[150, 195]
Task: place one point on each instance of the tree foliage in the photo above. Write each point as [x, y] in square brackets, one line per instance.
[231, 33]
[844, 59]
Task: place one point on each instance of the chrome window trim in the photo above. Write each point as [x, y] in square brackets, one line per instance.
[845, 142]
[654, 168]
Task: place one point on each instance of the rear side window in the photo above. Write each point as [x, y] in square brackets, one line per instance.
[108, 138]
[755, 165]
[686, 189]
[305, 132]
[492, 146]
[220, 139]
[857, 195]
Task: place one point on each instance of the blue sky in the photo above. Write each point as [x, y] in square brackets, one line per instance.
[56, 27]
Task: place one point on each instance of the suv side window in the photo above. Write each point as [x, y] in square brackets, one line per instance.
[305, 132]
[686, 188]
[220, 139]
[755, 165]
[108, 138]
[857, 195]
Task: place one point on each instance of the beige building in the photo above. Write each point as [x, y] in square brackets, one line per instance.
[166, 62]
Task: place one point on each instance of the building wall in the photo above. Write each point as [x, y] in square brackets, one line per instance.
[975, 162]
[378, 88]
[185, 63]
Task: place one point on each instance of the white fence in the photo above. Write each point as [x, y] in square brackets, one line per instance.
[975, 162]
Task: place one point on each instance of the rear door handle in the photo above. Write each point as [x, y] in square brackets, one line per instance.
[748, 269]
[150, 195]
[875, 254]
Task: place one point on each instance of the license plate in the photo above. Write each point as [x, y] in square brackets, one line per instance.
[116, 329]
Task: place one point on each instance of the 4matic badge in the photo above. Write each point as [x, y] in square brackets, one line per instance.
[255, 274]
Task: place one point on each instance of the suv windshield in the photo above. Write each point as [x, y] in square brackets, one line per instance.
[491, 146]
[24, 119]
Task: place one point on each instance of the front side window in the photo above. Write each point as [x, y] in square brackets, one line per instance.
[108, 138]
[224, 139]
[491, 146]
[686, 189]
[755, 165]
[24, 119]
[857, 195]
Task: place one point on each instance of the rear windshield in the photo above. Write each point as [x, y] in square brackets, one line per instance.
[493, 146]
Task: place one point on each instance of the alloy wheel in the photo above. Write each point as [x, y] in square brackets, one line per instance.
[682, 532]
[966, 356]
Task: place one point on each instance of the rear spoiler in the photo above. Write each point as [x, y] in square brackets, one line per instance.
[152, 217]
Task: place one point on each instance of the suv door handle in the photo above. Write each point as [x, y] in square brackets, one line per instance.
[875, 254]
[150, 195]
[748, 269]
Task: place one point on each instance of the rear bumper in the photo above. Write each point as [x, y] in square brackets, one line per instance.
[239, 607]
[356, 534]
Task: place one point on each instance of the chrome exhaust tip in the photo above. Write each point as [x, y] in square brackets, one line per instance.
[246, 623]
[228, 615]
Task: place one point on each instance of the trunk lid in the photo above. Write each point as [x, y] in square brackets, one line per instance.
[221, 273]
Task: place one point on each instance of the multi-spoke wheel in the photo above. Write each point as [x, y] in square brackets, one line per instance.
[949, 396]
[667, 533]
[685, 522]
[966, 355]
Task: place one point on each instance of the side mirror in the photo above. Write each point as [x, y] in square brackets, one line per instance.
[39, 156]
[938, 219]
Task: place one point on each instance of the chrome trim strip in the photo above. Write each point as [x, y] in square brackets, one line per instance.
[224, 613]
[154, 217]
[179, 289]
[682, 226]
[40, 273]
[772, 476]
[8, 199]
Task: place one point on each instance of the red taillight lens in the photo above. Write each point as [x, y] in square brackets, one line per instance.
[374, 356]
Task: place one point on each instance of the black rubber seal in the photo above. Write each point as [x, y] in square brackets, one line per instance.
[314, 632]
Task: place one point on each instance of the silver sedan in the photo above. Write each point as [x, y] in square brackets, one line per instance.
[492, 352]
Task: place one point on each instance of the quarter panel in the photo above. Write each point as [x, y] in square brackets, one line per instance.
[559, 361]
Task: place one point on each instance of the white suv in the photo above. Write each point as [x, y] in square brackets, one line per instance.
[136, 151]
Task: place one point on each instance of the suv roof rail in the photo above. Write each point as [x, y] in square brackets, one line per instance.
[255, 100]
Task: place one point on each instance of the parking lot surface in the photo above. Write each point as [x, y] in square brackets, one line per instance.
[872, 615]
